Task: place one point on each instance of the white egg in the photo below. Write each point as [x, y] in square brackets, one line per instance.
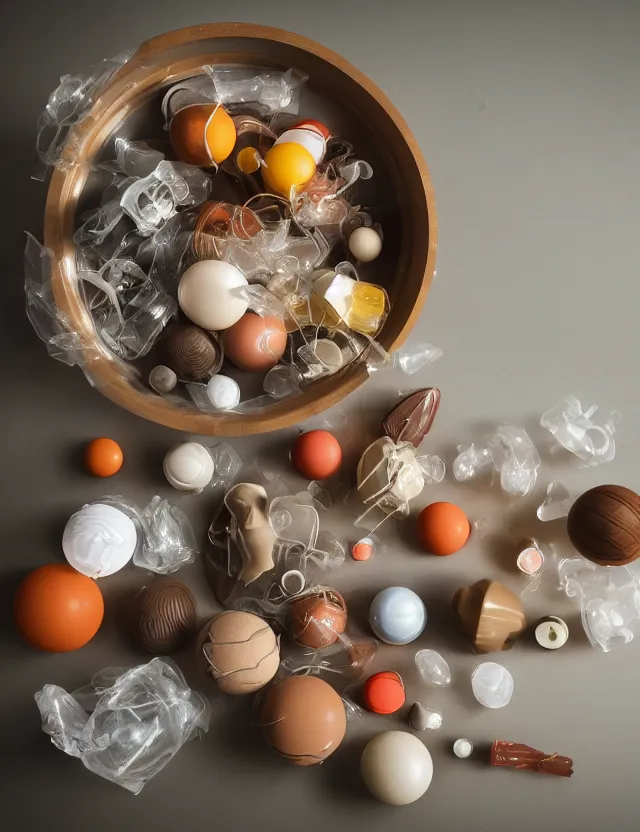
[309, 139]
[162, 379]
[188, 467]
[396, 768]
[210, 294]
[99, 540]
[365, 244]
[223, 392]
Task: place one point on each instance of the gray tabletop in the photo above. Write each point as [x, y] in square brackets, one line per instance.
[527, 114]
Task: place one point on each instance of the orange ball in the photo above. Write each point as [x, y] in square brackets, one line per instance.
[254, 343]
[103, 457]
[316, 455]
[383, 693]
[58, 609]
[202, 134]
[443, 528]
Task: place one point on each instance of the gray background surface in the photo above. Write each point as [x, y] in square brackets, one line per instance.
[528, 116]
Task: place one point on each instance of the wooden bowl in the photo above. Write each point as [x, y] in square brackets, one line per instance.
[400, 195]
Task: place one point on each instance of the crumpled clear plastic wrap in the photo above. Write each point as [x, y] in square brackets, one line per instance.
[68, 104]
[511, 452]
[609, 599]
[588, 434]
[125, 725]
[410, 359]
[556, 503]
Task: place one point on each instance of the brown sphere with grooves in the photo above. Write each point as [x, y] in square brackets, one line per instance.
[317, 620]
[604, 525]
[163, 616]
[303, 719]
[191, 352]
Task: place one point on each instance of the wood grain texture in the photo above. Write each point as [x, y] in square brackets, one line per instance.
[180, 54]
[604, 525]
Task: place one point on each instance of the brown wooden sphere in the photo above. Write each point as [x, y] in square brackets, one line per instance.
[318, 619]
[191, 352]
[604, 525]
[163, 616]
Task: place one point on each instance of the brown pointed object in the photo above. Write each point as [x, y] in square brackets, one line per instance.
[604, 525]
[411, 419]
[491, 615]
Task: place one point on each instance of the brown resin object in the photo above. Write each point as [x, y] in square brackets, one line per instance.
[318, 619]
[604, 525]
[163, 616]
[411, 419]
[491, 615]
[514, 755]
[192, 353]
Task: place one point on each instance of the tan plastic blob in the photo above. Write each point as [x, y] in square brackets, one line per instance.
[248, 504]
[491, 615]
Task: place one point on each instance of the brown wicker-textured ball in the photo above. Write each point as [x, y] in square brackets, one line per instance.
[163, 616]
[192, 353]
[318, 619]
[604, 525]
[303, 719]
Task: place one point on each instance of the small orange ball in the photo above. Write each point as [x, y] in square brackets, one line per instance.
[58, 609]
[443, 528]
[316, 455]
[103, 457]
[383, 693]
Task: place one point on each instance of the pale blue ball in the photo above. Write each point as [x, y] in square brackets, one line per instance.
[397, 615]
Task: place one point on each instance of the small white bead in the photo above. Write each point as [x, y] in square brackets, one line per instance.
[463, 748]
[162, 379]
[365, 244]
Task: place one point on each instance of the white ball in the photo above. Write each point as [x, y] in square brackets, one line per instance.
[188, 467]
[463, 748]
[162, 379]
[492, 685]
[396, 768]
[99, 540]
[208, 294]
[313, 142]
[223, 392]
[365, 244]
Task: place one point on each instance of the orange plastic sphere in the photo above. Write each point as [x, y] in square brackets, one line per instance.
[254, 343]
[58, 609]
[316, 455]
[443, 528]
[202, 134]
[288, 165]
[103, 457]
[383, 693]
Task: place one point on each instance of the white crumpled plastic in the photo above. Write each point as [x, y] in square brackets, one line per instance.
[125, 725]
[589, 434]
[511, 452]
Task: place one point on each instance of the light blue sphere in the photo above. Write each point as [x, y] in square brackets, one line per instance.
[397, 615]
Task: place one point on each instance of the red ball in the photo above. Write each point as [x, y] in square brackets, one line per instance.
[316, 455]
[58, 609]
[443, 528]
[383, 693]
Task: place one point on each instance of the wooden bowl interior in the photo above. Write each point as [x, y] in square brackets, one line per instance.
[396, 196]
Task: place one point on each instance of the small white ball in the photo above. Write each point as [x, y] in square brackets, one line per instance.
[188, 467]
[99, 540]
[396, 768]
[492, 685]
[223, 392]
[209, 294]
[365, 244]
[162, 379]
[463, 748]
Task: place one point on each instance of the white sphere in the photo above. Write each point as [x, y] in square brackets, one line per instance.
[208, 294]
[162, 379]
[99, 540]
[463, 748]
[396, 768]
[365, 244]
[492, 685]
[397, 615]
[223, 392]
[312, 141]
[188, 467]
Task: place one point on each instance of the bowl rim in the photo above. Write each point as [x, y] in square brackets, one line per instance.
[105, 371]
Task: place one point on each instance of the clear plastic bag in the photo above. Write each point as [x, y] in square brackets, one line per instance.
[125, 726]
[68, 104]
[589, 434]
[511, 452]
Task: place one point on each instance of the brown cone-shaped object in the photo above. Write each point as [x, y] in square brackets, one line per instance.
[163, 616]
[303, 719]
[318, 619]
[191, 352]
[604, 525]
[491, 615]
[411, 419]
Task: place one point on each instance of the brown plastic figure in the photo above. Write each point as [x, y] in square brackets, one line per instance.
[491, 615]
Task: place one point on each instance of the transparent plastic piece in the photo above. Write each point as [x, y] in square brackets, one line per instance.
[587, 434]
[471, 460]
[125, 726]
[515, 458]
[556, 503]
[433, 668]
[432, 467]
[492, 685]
[169, 541]
[609, 600]
[409, 359]
[68, 104]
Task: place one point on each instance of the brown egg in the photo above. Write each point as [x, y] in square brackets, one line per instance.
[163, 616]
[303, 719]
[192, 353]
[202, 134]
[317, 620]
[240, 651]
[604, 525]
[254, 343]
